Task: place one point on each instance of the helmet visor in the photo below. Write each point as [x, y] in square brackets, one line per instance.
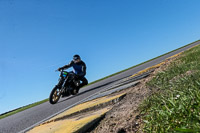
[75, 58]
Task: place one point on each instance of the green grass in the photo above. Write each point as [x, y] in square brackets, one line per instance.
[22, 109]
[175, 104]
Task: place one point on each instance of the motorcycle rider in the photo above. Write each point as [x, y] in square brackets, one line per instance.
[79, 69]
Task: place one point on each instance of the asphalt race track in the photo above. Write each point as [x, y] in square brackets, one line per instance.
[22, 121]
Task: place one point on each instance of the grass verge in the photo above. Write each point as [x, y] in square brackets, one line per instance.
[175, 104]
[21, 109]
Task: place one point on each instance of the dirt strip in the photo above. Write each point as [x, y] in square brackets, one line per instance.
[125, 116]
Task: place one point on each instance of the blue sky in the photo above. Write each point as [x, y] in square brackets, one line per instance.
[38, 36]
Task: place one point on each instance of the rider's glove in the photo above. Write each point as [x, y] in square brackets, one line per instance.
[59, 69]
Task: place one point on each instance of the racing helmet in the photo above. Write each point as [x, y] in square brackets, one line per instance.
[76, 57]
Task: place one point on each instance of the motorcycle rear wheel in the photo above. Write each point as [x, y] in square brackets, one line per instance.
[55, 95]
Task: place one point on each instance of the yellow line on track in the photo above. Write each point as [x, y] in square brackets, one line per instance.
[60, 124]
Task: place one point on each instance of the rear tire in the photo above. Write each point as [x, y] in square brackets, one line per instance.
[55, 95]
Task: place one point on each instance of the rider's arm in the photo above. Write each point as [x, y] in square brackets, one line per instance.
[68, 65]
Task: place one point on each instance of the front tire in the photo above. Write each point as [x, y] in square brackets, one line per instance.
[55, 95]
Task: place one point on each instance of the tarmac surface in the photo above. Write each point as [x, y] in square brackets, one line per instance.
[29, 118]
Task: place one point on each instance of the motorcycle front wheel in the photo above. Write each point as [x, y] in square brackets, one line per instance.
[55, 95]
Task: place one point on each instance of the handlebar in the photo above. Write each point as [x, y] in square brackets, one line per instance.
[58, 70]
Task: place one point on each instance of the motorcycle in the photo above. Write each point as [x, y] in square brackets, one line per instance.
[67, 85]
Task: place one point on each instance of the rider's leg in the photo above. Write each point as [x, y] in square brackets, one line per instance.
[84, 82]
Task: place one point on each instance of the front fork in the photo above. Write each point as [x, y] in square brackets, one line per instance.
[61, 84]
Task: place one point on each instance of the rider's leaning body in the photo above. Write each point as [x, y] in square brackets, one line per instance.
[79, 69]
